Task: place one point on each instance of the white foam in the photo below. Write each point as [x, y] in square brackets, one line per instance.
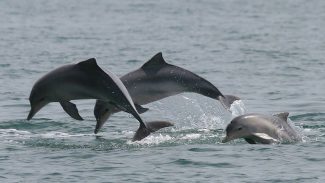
[191, 136]
[152, 139]
[204, 130]
[26, 134]
[56, 134]
[128, 132]
[14, 133]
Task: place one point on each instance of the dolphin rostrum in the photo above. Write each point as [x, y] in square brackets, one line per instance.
[156, 80]
[86, 80]
[260, 128]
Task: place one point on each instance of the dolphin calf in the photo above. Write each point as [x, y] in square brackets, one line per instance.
[156, 80]
[86, 80]
[260, 128]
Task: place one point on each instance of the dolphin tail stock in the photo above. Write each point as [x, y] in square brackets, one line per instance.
[227, 100]
[146, 128]
[140, 109]
[102, 114]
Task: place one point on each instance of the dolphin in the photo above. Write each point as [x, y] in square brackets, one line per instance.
[260, 128]
[156, 80]
[86, 80]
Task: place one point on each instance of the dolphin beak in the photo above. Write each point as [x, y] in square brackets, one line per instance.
[35, 108]
[31, 113]
[99, 125]
[101, 118]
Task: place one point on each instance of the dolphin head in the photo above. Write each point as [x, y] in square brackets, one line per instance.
[254, 128]
[103, 110]
[37, 99]
[239, 127]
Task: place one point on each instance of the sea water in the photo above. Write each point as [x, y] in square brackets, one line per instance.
[269, 53]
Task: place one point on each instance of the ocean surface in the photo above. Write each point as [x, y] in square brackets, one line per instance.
[269, 53]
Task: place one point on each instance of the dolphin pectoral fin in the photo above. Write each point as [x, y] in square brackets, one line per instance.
[150, 127]
[227, 100]
[71, 109]
[141, 109]
[250, 141]
[264, 138]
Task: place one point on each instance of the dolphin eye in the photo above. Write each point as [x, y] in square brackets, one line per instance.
[240, 128]
[42, 99]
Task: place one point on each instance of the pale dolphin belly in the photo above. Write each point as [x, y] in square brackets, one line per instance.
[145, 92]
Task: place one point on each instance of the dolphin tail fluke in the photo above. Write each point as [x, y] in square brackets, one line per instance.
[149, 127]
[140, 109]
[227, 100]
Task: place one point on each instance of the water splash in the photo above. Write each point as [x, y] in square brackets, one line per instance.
[238, 108]
[152, 140]
[14, 133]
[191, 136]
[56, 134]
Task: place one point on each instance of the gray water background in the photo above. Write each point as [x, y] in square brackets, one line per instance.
[269, 53]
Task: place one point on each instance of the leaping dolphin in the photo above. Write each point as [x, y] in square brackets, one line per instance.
[156, 80]
[260, 128]
[86, 80]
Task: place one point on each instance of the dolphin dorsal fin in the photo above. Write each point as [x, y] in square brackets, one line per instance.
[90, 63]
[282, 115]
[155, 62]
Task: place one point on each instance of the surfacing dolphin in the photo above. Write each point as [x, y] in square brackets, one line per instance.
[86, 80]
[156, 80]
[260, 128]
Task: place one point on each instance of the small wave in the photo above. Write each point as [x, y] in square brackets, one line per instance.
[5, 65]
[309, 126]
[309, 117]
[188, 162]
